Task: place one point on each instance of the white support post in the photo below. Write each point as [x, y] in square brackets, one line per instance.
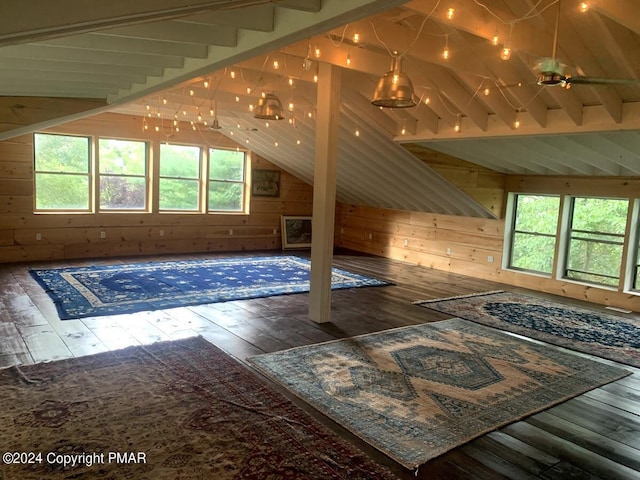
[324, 192]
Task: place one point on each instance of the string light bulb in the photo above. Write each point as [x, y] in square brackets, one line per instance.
[505, 54]
[348, 60]
[495, 40]
[357, 132]
[451, 13]
[206, 84]
[427, 101]
[445, 52]
[276, 65]
[356, 38]
[316, 51]
[458, 126]
[486, 91]
[232, 74]
[584, 7]
[516, 123]
[290, 82]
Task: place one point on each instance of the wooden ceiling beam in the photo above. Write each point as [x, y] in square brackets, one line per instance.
[66, 17]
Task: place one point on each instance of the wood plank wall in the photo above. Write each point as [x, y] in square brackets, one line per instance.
[65, 236]
[482, 184]
[424, 238]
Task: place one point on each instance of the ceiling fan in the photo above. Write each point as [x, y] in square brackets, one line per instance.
[550, 72]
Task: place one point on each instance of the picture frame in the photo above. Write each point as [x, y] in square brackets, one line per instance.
[265, 183]
[296, 232]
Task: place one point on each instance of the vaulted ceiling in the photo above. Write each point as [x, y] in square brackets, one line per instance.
[177, 60]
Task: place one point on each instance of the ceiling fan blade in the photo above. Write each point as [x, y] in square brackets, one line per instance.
[602, 81]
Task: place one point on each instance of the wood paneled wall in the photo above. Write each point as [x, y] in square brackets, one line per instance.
[65, 236]
[485, 186]
[470, 246]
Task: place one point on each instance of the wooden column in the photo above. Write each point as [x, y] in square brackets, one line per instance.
[324, 191]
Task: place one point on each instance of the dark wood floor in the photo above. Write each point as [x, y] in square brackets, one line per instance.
[593, 436]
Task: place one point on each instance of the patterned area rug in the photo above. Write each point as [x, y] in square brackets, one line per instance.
[114, 289]
[608, 336]
[175, 410]
[418, 391]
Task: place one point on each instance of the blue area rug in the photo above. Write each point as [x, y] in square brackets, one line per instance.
[418, 391]
[116, 289]
[608, 336]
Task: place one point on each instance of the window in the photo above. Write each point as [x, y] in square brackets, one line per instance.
[123, 174]
[595, 240]
[179, 178]
[62, 173]
[227, 171]
[533, 234]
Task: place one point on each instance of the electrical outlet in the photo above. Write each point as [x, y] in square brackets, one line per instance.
[490, 259]
[103, 234]
[38, 236]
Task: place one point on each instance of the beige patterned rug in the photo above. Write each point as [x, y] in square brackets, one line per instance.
[168, 411]
[418, 391]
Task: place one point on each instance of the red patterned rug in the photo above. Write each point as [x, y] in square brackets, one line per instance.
[173, 410]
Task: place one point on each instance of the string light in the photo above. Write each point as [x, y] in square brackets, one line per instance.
[291, 82]
[356, 38]
[232, 74]
[451, 13]
[348, 59]
[291, 107]
[584, 7]
[486, 91]
[445, 52]
[427, 100]
[164, 100]
[516, 123]
[298, 142]
[206, 84]
[248, 90]
[316, 51]
[495, 40]
[237, 99]
[458, 126]
[276, 65]
[192, 93]
[505, 54]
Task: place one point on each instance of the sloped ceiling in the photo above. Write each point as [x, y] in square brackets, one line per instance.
[172, 60]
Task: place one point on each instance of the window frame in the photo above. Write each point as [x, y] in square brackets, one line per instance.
[147, 177]
[89, 176]
[511, 231]
[568, 237]
[245, 182]
[202, 171]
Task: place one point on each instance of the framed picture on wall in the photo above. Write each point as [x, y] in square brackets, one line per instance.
[296, 232]
[265, 183]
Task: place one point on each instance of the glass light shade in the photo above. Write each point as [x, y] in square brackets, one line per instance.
[394, 89]
[269, 108]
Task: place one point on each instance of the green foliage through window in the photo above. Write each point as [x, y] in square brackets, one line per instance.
[62, 167]
[179, 177]
[533, 240]
[123, 170]
[226, 180]
[596, 240]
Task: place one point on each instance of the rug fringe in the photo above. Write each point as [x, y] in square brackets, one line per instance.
[420, 302]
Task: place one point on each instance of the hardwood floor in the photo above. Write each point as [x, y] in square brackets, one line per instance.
[593, 436]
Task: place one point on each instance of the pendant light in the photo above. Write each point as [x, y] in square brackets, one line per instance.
[269, 107]
[394, 89]
[216, 124]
